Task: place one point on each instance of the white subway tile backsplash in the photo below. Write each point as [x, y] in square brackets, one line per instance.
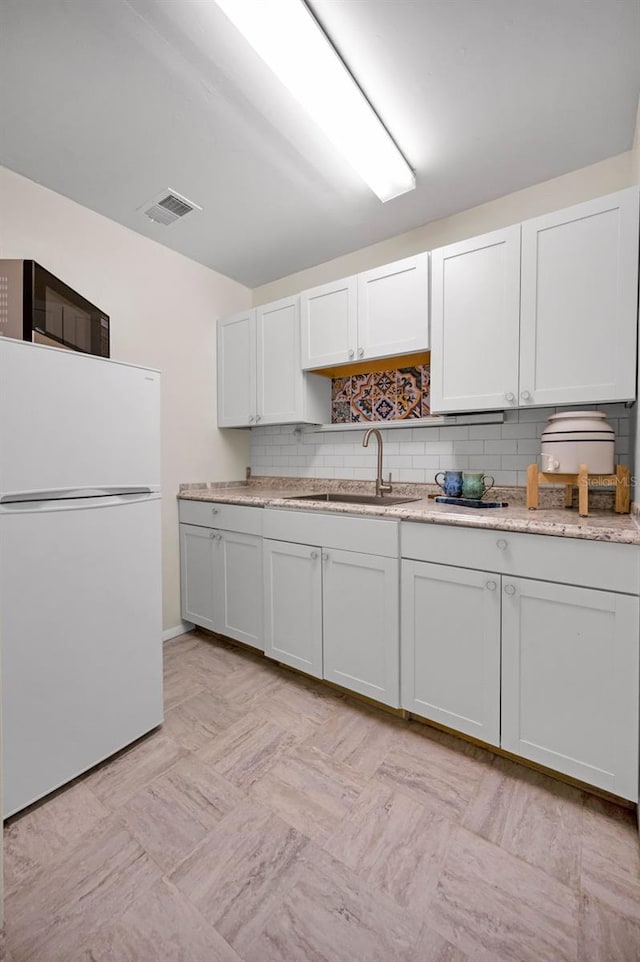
[530, 446]
[413, 447]
[516, 462]
[518, 429]
[485, 462]
[485, 431]
[439, 447]
[417, 454]
[454, 433]
[498, 447]
[469, 447]
[426, 461]
[415, 475]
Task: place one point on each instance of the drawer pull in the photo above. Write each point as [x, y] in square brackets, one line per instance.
[509, 589]
[491, 585]
[501, 544]
[215, 510]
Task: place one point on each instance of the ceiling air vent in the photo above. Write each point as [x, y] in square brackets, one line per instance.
[168, 207]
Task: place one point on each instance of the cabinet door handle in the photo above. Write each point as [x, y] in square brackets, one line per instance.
[212, 534]
[218, 537]
[325, 556]
[510, 397]
[501, 544]
[525, 395]
[351, 352]
[491, 585]
[509, 589]
[258, 418]
[360, 352]
[215, 510]
[313, 555]
[251, 418]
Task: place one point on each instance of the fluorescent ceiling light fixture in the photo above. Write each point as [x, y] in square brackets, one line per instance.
[291, 42]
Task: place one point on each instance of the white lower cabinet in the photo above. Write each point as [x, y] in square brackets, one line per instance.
[360, 607]
[570, 681]
[197, 576]
[450, 647]
[293, 605]
[238, 587]
[546, 671]
[221, 582]
[332, 612]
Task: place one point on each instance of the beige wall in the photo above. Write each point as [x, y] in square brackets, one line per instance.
[588, 182]
[163, 309]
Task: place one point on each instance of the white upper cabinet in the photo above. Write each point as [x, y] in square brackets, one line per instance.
[279, 381]
[260, 379]
[380, 313]
[580, 303]
[393, 309]
[475, 308]
[543, 314]
[329, 323]
[236, 364]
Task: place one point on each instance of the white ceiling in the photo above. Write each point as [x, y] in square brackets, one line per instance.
[110, 102]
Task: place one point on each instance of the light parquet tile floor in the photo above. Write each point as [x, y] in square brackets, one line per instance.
[272, 820]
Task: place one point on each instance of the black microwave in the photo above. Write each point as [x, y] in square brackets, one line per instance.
[37, 306]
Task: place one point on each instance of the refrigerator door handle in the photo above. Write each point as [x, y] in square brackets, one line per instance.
[76, 504]
[63, 494]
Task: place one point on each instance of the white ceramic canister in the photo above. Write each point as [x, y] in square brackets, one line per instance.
[578, 437]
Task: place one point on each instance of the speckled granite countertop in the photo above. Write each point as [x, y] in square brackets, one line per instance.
[552, 518]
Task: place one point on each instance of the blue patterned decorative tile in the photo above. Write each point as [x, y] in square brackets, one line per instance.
[426, 391]
[362, 397]
[409, 403]
[340, 412]
[341, 389]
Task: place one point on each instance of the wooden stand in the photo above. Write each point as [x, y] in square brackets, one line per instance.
[582, 479]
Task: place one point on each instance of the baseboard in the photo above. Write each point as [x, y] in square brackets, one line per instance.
[177, 630]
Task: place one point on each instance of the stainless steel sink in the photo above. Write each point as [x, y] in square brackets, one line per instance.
[353, 498]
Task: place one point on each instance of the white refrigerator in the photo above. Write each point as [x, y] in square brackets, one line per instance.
[80, 563]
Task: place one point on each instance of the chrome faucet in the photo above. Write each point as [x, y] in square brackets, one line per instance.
[381, 486]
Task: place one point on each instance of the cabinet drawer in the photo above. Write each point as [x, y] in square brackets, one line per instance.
[230, 517]
[592, 564]
[367, 535]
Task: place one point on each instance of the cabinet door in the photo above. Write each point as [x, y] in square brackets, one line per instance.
[279, 380]
[237, 370]
[475, 317]
[293, 605]
[570, 681]
[328, 321]
[238, 589]
[393, 308]
[198, 575]
[360, 606]
[451, 647]
[579, 303]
